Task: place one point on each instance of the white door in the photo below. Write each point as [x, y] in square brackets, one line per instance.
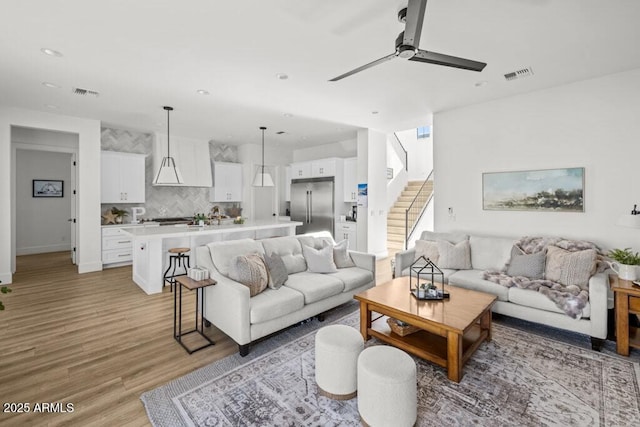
[73, 222]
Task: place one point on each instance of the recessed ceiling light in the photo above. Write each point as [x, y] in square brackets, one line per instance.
[288, 115]
[282, 76]
[50, 52]
[51, 106]
[481, 83]
[51, 85]
[202, 92]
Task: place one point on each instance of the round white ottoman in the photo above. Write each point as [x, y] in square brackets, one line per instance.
[337, 351]
[387, 387]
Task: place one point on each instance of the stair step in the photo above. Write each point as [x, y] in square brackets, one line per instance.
[395, 229]
[402, 204]
[395, 238]
[397, 246]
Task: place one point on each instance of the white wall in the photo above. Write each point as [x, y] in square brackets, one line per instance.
[372, 169]
[88, 239]
[592, 124]
[420, 154]
[42, 222]
[344, 149]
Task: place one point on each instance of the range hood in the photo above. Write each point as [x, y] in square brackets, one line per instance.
[191, 156]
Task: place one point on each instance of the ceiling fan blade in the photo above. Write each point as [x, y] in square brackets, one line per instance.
[448, 60]
[414, 20]
[364, 67]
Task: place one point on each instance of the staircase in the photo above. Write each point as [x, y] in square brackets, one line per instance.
[396, 216]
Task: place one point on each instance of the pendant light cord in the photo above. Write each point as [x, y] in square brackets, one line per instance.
[262, 128]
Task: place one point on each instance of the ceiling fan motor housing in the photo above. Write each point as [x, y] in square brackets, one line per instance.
[403, 50]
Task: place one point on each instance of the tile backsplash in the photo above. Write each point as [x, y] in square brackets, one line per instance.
[164, 201]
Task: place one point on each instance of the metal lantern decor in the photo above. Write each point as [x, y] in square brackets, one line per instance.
[426, 280]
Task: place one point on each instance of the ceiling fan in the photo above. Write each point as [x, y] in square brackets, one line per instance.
[407, 44]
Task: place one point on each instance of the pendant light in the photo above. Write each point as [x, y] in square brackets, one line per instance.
[168, 174]
[262, 178]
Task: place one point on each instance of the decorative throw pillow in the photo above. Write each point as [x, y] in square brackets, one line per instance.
[527, 265]
[427, 249]
[456, 257]
[319, 260]
[251, 271]
[570, 268]
[277, 270]
[341, 256]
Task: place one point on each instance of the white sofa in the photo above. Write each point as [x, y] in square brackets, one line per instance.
[245, 319]
[492, 253]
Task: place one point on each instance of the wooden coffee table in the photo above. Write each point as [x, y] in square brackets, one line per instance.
[451, 330]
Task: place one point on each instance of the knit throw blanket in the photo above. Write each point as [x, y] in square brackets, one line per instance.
[570, 299]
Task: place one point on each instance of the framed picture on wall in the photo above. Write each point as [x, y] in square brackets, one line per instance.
[48, 188]
[550, 190]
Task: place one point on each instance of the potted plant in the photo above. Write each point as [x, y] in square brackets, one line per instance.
[4, 290]
[199, 219]
[119, 213]
[626, 263]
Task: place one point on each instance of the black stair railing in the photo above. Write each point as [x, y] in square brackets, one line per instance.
[406, 154]
[415, 210]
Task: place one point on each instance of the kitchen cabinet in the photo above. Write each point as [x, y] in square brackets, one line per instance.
[347, 231]
[287, 184]
[301, 170]
[116, 247]
[227, 182]
[191, 156]
[351, 180]
[122, 177]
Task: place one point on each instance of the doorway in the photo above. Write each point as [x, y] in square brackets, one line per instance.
[44, 222]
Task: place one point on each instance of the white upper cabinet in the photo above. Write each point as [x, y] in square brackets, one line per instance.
[191, 156]
[122, 177]
[314, 169]
[227, 182]
[301, 170]
[350, 180]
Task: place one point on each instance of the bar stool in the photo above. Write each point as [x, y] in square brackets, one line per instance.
[178, 257]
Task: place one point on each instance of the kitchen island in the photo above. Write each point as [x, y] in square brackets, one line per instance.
[150, 244]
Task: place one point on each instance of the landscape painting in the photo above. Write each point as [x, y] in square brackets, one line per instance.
[555, 190]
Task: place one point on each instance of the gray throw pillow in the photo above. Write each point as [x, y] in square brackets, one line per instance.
[277, 270]
[526, 265]
[319, 260]
[251, 271]
[341, 255]
[455, 257]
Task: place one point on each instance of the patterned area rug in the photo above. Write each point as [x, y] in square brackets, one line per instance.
[517, 379]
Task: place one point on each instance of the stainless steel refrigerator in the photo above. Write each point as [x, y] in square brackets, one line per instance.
[312, 204]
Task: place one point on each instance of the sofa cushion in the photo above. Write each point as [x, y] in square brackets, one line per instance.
[526, 265]
[341, 255]
[534, 299]
[277, 270]
[472, 279]
[319, 260]
[456, 256]
[570, 268]
[314, 286]
[427, 249]
[490, 253]
[353, 277]
[251, 271]
[223, 252]
[289, 248]
[449, 237]
[272, 304]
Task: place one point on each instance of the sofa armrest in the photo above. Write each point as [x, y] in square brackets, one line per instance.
[404, 260]
[227, 303]
[364, 260]
[599, 296]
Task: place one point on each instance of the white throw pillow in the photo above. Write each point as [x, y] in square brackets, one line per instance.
[455, 257]
[427, 249]
[490, 253]
[319, 260]
[341, 256]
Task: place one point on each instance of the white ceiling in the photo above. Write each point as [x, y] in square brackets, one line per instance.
[140, 55]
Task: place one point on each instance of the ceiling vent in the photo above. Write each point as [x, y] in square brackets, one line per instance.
[85, 92]
[280, 132]
[519, 74]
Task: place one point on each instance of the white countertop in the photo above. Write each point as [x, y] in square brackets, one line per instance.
[190, 230]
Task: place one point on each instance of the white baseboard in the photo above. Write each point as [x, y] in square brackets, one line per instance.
[31, 250]
[6, 278]
[89, 267]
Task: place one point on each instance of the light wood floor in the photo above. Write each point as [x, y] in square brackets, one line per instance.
[94, 340]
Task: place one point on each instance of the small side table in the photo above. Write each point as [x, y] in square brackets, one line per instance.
[198, 286]
[627, 302]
